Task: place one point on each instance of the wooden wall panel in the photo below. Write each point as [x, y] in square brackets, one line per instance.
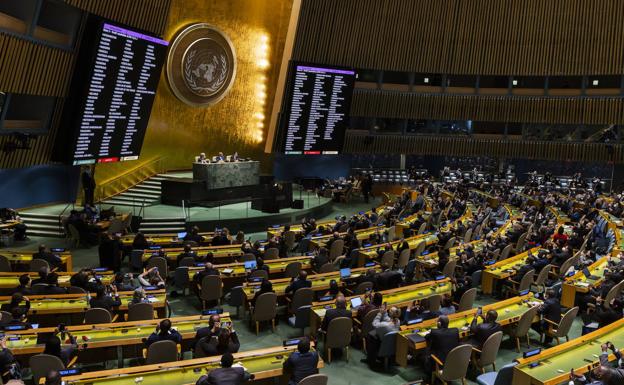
[32, 68]
[498, 37]
[149, 15]
[362, 143]
[529, 109]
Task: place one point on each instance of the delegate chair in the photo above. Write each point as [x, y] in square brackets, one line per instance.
[403, 260]
[455, 367]
[271, 253]
[387, 348]
[524, 284]
[160, 352]
[523, 328]
[328, 268]
[362, 288]
[181, 277]
[422, 228]
[265, 310]
[302, 297]
[366, 326]
[187, 262]
[336, 249]
[237, 298]
[5, 265]
[211, 289]
[315, 379]
[42, 364]
[435, 301]
[467, 300]
[5, 317]
[248, 257]
[140, 311]
[289, 239]
[387, 259]
[37, 264]
[259, 274]
[487, 355]
[161, 264]
[98, 316]
[76, 290]
[420, 248]
[468, 235]
[338, 336]
[449, 269]
[561, 329]
[301, 318]
[542, 277]
[292, 269]
[502, 377]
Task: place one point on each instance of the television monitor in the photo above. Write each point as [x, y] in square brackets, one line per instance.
[110, 100]
[315, 113]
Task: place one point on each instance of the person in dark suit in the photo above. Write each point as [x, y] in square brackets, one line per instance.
[265, 287]
[42, 253]
[226, 342]
[550, 310]
[339, 311]
[104, 301]
[321, 258]
[188, 252]
[302, 363]
[16, 304]
[440, 342]
[164, 332]
[24, 285]
[88, 185]
[214, 325]
[53, 287]
[481, 332]
[300, 282]
[226, 374]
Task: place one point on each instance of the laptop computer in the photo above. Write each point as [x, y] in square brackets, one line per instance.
[250, 265]
[355, 302]
[345, 272]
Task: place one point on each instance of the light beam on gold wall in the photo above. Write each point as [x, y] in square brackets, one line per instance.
[177, 131]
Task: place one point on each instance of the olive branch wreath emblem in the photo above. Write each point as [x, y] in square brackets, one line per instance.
[190, 79]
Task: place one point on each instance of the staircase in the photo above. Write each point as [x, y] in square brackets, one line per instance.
[45, 225]
[162, 225]
[146, 193]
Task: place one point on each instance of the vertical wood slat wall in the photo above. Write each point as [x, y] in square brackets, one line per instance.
[362, 143]
[487, 37]
[32, 68]
[533, 109]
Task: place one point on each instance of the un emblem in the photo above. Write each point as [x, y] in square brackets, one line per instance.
[201, 65]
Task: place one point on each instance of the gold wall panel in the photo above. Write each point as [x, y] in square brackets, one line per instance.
[177, 132]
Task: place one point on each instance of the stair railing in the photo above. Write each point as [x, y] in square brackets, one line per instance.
[128, 179]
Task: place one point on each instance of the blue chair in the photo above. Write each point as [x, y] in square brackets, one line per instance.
[502, 377]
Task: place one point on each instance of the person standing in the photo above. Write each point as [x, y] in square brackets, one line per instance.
[88, 185]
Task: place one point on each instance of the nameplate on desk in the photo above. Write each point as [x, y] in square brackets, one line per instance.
[524, 292]
[532, 353]
[440, 277]
[200, 264]
[367, 244]
[100, 269]
[326, 298]
[155, 247]
[255, 279]
[291, 342]
[487, 263]
[150, 288]
[369, 264]
[14, 327]
[276, 226]
[69, 372]
[57, 249]
[212, 311]
[415, 321]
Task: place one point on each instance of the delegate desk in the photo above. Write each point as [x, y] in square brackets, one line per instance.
[77, 304]
[582, 284]
[93, 338]
[23, 258]
[400, 297]
[489, 198]
[367, 254]
[320, 282]
[11, 280]
[318, 241]
[223, 253]
[552, 366]
[227, 174]
[277, 230]
[164, 240]
[262, 363]
[613, 221]
[412, 337]
[6, 225]
[237, 271]
[504, 269]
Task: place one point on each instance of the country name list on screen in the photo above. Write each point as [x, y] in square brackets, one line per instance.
[121, 90]
[319, 109]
